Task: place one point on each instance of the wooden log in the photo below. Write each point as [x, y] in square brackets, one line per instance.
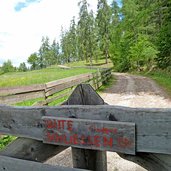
[153, 126]
[13, 99]
[8, 164]
[87, 159]
[21, 89]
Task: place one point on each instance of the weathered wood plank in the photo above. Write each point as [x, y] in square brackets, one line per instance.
[67, 84]
[12, 164]
[153, 126]
[47, 101]
[88, 134]
[62, 81]
[29, 149]
[81, 96]
[21, 89]
[84, 158]
[12, 99]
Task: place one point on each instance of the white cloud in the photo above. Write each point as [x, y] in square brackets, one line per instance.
[21, 32]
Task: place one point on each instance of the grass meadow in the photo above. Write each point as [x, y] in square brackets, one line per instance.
[39, 76]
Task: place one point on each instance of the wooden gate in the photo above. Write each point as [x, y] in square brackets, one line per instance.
[91, 127]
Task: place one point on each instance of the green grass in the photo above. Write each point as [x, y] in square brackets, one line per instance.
[6, 140]
[163, 78]
[108, 84]
[39, 76]
[100, 63]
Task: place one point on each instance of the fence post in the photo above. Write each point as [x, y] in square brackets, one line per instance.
[94, 160]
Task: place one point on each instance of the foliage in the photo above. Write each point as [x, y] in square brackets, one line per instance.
[33, 60]
[103, 20]
[135, 35]
[142, 53]
[6, 140]
[163, 78]
[22, 67]
[7, 67]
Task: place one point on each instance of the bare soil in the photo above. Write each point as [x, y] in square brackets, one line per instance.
[131, 91]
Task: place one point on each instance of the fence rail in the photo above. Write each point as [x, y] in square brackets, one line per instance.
[47, 91]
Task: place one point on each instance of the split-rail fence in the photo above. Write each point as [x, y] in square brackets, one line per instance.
[90, 127]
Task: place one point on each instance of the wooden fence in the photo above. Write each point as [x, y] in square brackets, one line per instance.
[91, 128]
[49, 91]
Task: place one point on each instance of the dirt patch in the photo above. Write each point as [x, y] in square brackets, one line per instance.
[130, 91]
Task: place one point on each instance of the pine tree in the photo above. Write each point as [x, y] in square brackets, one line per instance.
[83, 30]
[44, 53]
[103, 20]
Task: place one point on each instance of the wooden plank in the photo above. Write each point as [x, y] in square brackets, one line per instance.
[153, 126]
[12, 164]
[13, 99]
[81, 96]
[47, 101]
[88, 134]
[84, 158]
[67, 84]
[21, 89]
[61, 81]
[58, 97]
[29, 149]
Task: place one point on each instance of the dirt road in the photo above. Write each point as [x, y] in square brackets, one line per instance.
[130, 91]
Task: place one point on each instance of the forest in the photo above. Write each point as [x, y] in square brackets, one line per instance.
[135, 35]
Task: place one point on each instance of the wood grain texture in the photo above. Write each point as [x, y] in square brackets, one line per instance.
[88, 134]
[13, 99]
[153, 126]
[21, 89]
[61, 81]
[81, 96]
[12, 164]
[84, 158]
[67, 84]
[29, 149]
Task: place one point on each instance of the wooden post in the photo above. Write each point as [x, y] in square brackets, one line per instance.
[94, 160]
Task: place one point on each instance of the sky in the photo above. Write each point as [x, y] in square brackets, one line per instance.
[24, 22]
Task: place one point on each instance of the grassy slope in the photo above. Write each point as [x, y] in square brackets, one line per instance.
[163, 78]
[100, 64]
[39, 76]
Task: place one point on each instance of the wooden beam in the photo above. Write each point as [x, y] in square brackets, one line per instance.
[13, 99]
[8, 164]
[85, 158]
[21, 89]
[29, 149]
[62, 81]
[54, 87]
[153, 126]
